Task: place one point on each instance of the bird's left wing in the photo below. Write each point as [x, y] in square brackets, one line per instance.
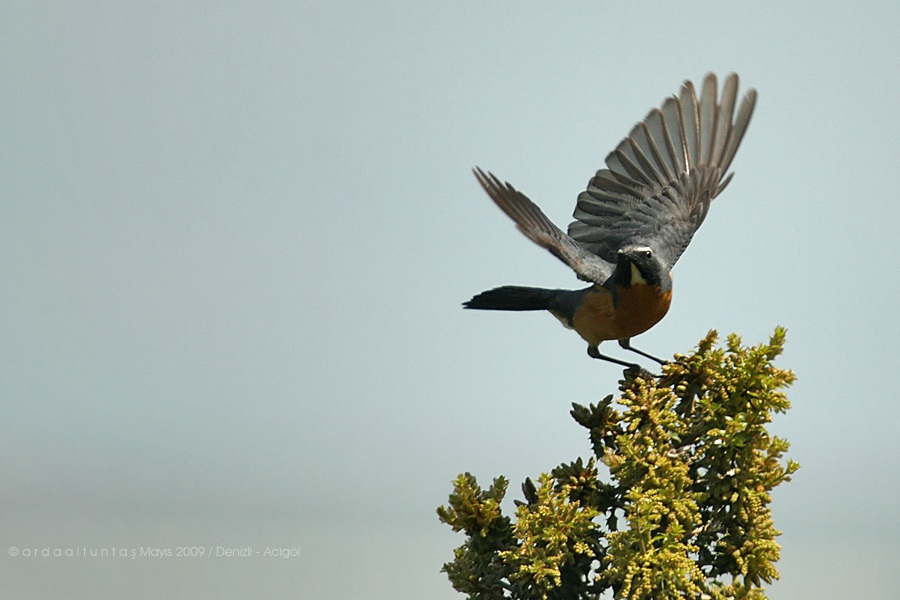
[539, 229]
[661, 179]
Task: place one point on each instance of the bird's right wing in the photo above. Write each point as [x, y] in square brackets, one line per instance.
[539, 229]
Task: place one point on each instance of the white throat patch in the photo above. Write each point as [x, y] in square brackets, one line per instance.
[636, 277]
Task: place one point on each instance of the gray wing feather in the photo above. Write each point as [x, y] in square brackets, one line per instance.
[659, 182]
[538, 228]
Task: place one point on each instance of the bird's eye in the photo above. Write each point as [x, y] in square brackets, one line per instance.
[646, 254]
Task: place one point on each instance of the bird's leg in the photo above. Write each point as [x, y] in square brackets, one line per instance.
[594, 352]
[626, 343]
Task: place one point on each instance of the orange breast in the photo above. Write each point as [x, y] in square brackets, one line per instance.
[638, 308]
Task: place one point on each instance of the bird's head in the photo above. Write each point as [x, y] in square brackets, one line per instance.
[639, 265]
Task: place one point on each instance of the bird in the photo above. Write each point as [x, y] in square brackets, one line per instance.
[634, 220]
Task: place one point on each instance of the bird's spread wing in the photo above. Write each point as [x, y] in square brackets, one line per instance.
[539, 229]
[660, 180]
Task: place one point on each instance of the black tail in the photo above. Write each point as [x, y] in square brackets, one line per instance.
[514, 297]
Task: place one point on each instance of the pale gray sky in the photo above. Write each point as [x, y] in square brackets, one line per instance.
[235, 237]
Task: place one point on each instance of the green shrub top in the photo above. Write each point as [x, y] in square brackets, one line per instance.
[681, 509]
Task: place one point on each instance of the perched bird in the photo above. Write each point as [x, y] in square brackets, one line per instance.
[634, 220]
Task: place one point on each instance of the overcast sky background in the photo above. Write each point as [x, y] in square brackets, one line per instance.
[234, 239]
